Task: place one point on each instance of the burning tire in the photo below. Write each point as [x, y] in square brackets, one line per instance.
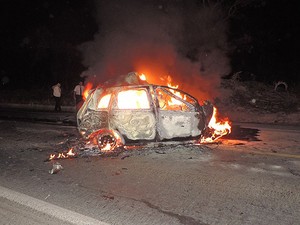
[108, 140]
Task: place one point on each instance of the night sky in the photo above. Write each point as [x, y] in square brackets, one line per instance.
[44, 42]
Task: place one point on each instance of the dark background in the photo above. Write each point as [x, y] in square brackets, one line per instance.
[39, 40]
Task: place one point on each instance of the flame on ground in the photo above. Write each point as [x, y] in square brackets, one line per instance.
[217, 129]
[69, 154]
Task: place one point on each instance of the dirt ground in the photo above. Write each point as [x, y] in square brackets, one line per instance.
[254, 102]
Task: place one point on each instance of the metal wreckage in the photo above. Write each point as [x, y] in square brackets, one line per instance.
[130, 110]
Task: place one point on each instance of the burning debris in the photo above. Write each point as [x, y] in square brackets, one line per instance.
[84, 149]
[68, 154]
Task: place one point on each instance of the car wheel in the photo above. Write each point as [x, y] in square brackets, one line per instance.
[109, 140]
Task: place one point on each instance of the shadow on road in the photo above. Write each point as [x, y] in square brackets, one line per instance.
[243, 134]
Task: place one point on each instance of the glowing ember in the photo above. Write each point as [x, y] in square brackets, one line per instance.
[62, 155]
[107, 147]
[87, 88]
[218, 129]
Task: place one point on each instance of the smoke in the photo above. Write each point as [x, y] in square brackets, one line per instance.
[159, 38]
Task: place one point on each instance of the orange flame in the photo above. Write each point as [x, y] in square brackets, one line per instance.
[87, 88]
[172, 101]
[178, 94]
[143, 77]
[62, 155]
[218, 129]
[170, 84]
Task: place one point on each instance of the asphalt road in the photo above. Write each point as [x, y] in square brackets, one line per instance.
[250, 178]
[38, 116]
[17, 208]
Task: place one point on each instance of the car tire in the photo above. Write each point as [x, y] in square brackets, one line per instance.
[109, 140]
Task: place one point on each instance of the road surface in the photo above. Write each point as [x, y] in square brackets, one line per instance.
[250, 178]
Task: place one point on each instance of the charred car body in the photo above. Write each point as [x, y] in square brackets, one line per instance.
[128, 113]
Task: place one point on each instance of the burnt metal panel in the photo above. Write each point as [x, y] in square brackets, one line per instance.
[173, 124]
[93, 121]
[134, 124]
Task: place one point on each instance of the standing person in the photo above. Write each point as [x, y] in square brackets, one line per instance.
[57, 96]
[78, 95]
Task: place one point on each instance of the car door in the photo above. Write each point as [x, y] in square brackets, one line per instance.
[177, 114]
[132, 114]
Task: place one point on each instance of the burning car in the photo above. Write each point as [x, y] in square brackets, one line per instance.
[135, 111]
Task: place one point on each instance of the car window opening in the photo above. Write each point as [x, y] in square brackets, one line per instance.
[166, 101]
[104, 102]
[133, 99]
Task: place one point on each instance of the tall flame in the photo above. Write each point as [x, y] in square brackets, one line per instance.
[177, 93]
[87, 89]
